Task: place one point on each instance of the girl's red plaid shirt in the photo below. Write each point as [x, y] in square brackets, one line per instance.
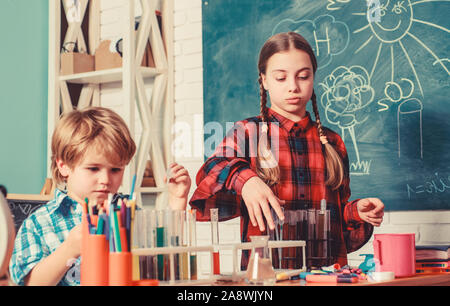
[300, 156]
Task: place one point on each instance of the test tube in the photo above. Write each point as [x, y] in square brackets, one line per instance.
[161, 241]
[292, 232]
[176, 235]
[310, 245]
[281, 222]
[214, 213]
[141, 237]
[138, 239]
[273, 235]
[181, 234]
[300, 235]
[184, 257]
[285, 233]
[280, 237]
[152, 260]
[144, 237]
[328, 219]
[149, 233]
[320, 239]
[322, 233]
[192, 221]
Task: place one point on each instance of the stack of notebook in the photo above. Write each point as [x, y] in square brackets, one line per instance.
[432, 258]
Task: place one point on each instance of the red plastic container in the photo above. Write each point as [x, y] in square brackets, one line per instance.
[396, 253]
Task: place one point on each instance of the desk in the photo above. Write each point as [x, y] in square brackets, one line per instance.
[417, 280]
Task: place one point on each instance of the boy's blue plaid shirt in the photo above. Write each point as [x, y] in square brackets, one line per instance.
[41, 234]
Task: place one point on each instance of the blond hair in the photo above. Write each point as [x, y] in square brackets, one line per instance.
[333, 162]
[96, 128]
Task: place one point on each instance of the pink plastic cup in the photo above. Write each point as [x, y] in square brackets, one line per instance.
[396, 253]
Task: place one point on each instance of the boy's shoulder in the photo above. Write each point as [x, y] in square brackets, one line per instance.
[44, 214]
[40, 214]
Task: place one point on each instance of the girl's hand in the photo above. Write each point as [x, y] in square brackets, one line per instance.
[257, 196]
[371, 210]
[179, 184]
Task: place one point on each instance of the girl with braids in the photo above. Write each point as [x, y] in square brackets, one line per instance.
[306, 163]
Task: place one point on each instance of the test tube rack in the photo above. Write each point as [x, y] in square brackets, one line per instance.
[235, 247]
[172, 251]
[237, 273]
[289, 243]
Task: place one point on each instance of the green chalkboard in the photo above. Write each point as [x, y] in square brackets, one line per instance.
[22, 209]
[23, 94]
[387, 62]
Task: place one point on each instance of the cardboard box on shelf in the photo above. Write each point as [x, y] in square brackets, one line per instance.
[74, 62]
[105, 59]
[148, 182]
[149, 56]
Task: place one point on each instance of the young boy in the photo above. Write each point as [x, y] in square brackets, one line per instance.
[90, 150]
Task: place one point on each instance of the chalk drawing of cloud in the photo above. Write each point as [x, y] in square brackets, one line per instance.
[347, 94]
[326, 36]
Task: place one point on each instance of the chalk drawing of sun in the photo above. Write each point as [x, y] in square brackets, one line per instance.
[396, 19]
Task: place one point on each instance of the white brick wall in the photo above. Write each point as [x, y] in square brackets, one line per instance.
[429, 226]
[189, 109]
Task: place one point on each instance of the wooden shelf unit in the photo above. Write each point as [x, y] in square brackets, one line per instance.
[108, 76]
[132, 77]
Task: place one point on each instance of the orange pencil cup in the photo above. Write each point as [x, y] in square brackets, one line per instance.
[94, 256]
[120, 269]
[94, 261]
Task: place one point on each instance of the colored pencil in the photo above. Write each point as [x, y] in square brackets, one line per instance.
[123, 211]
[132, 186]
[101, 222]
[128, 225]
[85, 205]
[90, 227]
[106, 226]
[116, 231]
[111, 234]
[133, 207]
[108, 208]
